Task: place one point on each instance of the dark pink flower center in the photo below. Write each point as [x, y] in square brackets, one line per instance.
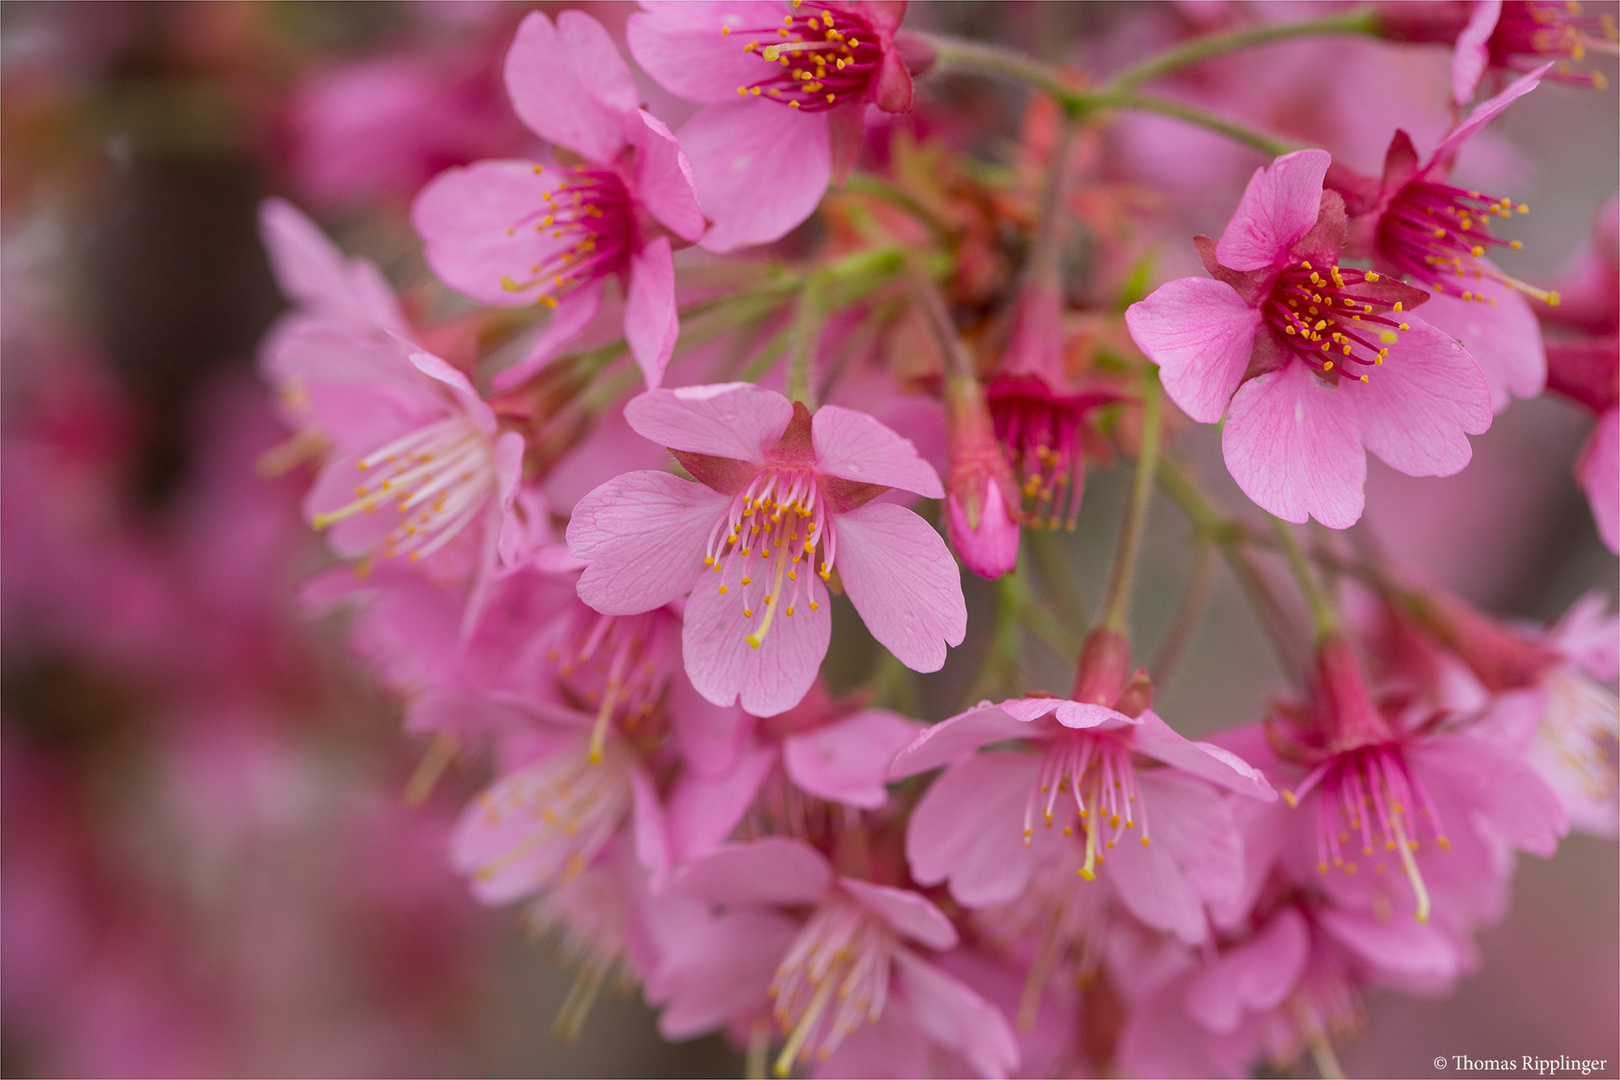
[589, 223]
[1095, 770]
[1328, 316]
[1041, 431]
[819, 57]
[1541, 29]
[1436, 233]
[1370, 793]
[766, 543]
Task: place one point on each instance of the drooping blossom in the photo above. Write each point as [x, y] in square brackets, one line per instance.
[982, 504]
[1312, 364]
[785, 88]
[1520, 35]
[1413, 222]
[1082, 770]
[511, 233]
[786, 500]
[840, 966]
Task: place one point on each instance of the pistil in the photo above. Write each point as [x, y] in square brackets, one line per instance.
[1329, 316]
[590, 216]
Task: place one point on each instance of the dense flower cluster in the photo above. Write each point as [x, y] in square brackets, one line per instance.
[726, 361]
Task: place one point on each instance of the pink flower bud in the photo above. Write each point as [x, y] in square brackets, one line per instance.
[981, 506]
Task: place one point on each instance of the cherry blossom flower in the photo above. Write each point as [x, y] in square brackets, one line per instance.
[982, 506]
[785, 86]
[510, 233]
[852, 962]
[978, 821]
[1311, 363]
[1518, 35]
[1413, 222]
[786, 499]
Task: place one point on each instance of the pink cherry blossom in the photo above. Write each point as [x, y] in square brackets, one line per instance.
[785, 500]
[1306, 392]
[1518, 35]
[785, 86]
[852, 961]
[1413, 222]
[509, 233]
[982, 506]
[977, 823]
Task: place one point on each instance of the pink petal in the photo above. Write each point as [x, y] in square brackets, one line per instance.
[956, 1017]
[717, 967]
[315, 274]
[761, 169]
[775, 870]
[1472, 52]
[1219, 766]
[664, 181]
[1293, 444]
[644, 534]
[1078, 715]
[908, 913]
[1502, 335]
[740, 421]
[1398, 946]
[650, 323]
[770, 679]
[477, 410]
[651, 835]
[1503, 791]
[1599, 473]
[903, 582]
[703, 811]
[1416, 408]
[951, 740]
[892, 89]
[1201, 334]
[968, 829]
[682, 47]
[708, 736]
[569, 318]
[1439, 161]
[1277, 209]
[569, 85]
[848, 761]
[856, 446]
[1257, 976]
[469, 217]
[1194, 855]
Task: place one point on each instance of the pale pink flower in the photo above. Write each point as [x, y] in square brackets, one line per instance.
[982, 505]
[510, 233]
[785, 501]
[1312, 364]
[1163, 830]
[785, 87]
[1411, 221]
[826, 957]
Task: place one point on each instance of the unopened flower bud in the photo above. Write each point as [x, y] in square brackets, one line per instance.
[1500, 659]
[981, 507]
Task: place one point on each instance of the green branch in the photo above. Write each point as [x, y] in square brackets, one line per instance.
[1360, 21]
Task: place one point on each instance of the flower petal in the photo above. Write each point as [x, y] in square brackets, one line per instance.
[761, 169]
[1193, 855]
[968, 829]
[644, 534]
[1472, 52]
[716, 967]
[908, 913]
[956, 1017]
[1599, 473]
[1219, 766]
[1257, 976]
[569, 318]
[1439, 162]
[314, 273]
[1201, 334]
[650, 322]
[771, 678]
[739, 421]
[951, 740]
[848, 761]
[569, 85]
[1293, 444]
[665, 184]
[1501, 334]
[683, 46]
[703, 810]
[775, 870]
[1416, 408]
[856, 446]
[902, 579]
[1277, 209]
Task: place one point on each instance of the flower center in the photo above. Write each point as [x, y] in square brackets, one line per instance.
[587, 225]
[820, 59]
[1097, 772]
[1435, 232]
[840, 959]
[1329, 316]
[1367, 787]
[1581, 728]
[1068, 928]
[772, 526]
[1041, 431]
[441, 476]
[619, 663]
[1546, 28]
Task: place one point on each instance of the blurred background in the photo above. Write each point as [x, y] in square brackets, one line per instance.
[207, 865]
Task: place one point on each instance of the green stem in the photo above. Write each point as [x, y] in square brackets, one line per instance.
[954, 355]
[1117, 601]
[1323, 620]
[1195, 595]
[807, 323]
[1360, 21]
[955, 52]
[1061, 590]
[1000, 668]
[863, 183]
[1240, 133]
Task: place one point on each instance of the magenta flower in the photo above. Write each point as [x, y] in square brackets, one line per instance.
[824, 976]
[982, 506]
[785, 500]
[510, 233]
[1412, 222]
[1164, 832]
[786, 86]
[1518, 35]
[1312, 364]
